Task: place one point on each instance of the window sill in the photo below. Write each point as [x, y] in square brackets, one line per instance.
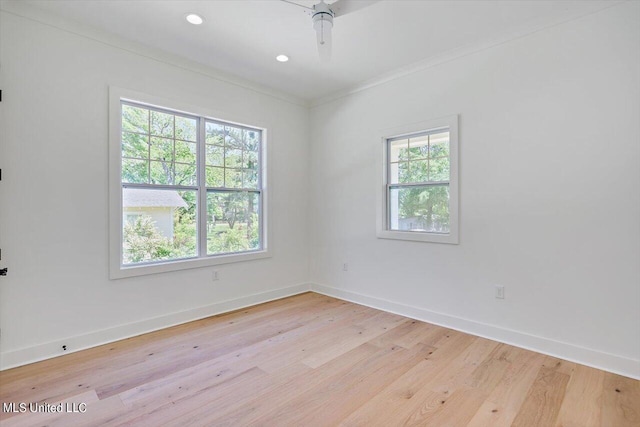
[121, 272]
[416, 236]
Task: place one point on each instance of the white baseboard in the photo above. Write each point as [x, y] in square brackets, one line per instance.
[573, 353]
[24, 356]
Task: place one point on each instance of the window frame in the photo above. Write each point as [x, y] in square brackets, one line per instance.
[117, 270]
[383, 187]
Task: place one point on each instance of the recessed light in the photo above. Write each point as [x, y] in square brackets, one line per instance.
[282, 58]
[194, 19]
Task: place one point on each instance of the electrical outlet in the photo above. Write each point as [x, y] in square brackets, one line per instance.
[345, 267]
[499, 292]
[214, 276]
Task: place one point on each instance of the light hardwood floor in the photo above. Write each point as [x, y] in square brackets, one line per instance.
[312, 360]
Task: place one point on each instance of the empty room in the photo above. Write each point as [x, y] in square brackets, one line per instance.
[320, 213]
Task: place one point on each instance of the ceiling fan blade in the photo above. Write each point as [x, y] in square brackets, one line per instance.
[342, 7]
[298, 4]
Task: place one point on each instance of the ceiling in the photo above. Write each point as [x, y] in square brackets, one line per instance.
[243, 37]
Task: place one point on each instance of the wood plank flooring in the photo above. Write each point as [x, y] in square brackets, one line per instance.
[312, 360]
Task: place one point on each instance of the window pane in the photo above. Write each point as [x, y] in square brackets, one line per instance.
[419, 209]
[250, 178]
[399, 173]
[252, 140]
[232, 222]
[162, 124]
[418, 171]
[234, 137]
[158, 225]
[186, 152]
[439, 144]
[135, 145]
[186, 128]
[185, 174]
[419, 147]
[162, 149]
[214, 133]
[250, 159]
[135, 171]
[439, 169]
[233, 178]
[399, 150]
[215, 177]
[232, 158]
[135, 119]
[161, 173]
[215, 155]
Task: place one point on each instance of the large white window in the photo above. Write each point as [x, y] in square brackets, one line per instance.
[187, 190]
[419, 192]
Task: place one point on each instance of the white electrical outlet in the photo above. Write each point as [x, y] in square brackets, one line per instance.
[214, 276]
[345, 267]
[499, 292]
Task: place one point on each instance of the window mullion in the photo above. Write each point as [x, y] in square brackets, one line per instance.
[202, 192]
[158, 186]
[418, 184]
[149, 151]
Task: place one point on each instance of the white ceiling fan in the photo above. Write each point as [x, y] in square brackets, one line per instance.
[322, 15]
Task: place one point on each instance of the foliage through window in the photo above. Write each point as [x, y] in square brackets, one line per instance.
[191, 186]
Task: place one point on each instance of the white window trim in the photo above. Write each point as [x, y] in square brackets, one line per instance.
[116, 269]
[382, 221]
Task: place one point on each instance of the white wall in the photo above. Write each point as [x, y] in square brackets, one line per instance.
[54, 198]
[549, 184]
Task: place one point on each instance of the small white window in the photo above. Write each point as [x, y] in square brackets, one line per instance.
[188, 189]
[419, 192]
